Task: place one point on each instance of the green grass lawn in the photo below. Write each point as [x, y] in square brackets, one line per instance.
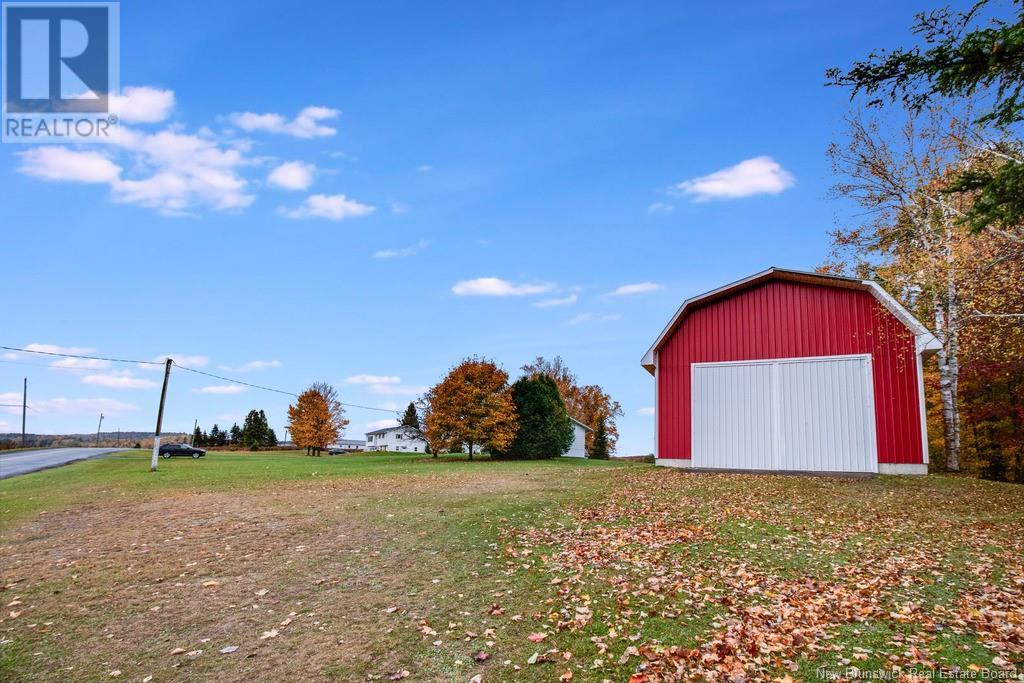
[126, 475]
[393, 566]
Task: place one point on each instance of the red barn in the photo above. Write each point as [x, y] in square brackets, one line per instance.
[787, 370]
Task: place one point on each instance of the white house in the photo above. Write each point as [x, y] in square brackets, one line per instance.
[349, 445]
[400, 438]
[579, 439]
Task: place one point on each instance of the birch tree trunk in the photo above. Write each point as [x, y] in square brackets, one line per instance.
[948, 370]
[948, 323]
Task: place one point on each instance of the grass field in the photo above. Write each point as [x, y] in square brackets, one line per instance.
[391, 567]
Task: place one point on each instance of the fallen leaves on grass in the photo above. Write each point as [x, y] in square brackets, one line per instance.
[651, 551]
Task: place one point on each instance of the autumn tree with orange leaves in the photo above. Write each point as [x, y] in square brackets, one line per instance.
[472, 406]
[317, 418]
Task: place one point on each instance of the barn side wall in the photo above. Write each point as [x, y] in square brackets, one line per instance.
[781, 319]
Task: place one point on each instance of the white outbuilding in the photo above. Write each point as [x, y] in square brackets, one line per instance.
[578, 449]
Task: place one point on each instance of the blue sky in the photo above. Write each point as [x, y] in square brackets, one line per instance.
[367, 194]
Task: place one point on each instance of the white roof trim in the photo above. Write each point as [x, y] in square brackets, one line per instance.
[926, 343]
[925, 340]
[648, 359]
[586, 427]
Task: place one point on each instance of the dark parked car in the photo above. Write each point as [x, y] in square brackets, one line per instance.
[169, 449]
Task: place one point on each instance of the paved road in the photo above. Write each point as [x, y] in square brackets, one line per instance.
[23, 462]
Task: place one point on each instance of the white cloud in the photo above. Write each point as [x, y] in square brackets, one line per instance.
[637, 288]
[333, 207]
[424, 168]
[54, 348]
[305, 125]
[231, 417]
[385, 385]
[660, 207]
[373, 379]
[142, 104]
[593, 318]
[252, 366]
[401, 253]
[341, 155]
[760, 175]
[81, 363]
[493, 286]
[63, 363]
[563, 301]
[175, 171]
[292, 175]
[381, 424]
[389, 405]
[4, 426]
[63, 164]
[220, 389]
[646, 411]
[121, 379]
[67, 406]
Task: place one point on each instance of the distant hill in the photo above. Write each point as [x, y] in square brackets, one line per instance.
[106, 440]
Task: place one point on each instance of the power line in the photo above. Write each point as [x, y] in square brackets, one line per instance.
[187, 369]
[278, 391]
[236, 381]
[75, 355]
[49, 367]
[16, 405]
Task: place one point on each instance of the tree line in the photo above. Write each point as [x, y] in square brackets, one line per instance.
[936, 162]
[254, 433]
[476, 407]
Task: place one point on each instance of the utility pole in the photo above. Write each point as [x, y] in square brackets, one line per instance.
[100, 425]
[192, 442]
[160, 416]
[24, 405]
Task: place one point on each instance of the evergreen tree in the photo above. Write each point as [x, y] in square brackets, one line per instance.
[271, 438]
[411, 418]
[545, 430]
[197, 437]
[599, 448]
[214, 436]
[255, 429]
[236, 434]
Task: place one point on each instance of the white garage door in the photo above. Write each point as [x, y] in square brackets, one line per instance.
[802, 414]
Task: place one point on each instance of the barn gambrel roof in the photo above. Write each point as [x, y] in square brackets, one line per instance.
[926, 342]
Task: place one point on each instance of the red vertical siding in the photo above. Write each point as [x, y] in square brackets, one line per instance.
[780, 319]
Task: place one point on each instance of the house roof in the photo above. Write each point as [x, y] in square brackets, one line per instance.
[586, 427]
[925, 341]
[392, 429]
